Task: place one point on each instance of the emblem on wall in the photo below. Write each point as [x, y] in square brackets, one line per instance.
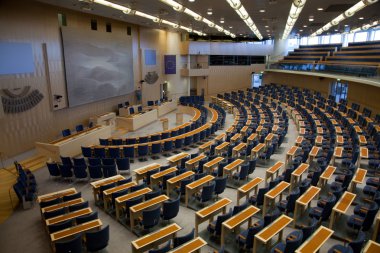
[151, 77]
[20, 100]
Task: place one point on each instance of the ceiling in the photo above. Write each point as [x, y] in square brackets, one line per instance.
[272, 21]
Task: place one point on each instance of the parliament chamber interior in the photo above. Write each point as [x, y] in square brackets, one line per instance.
[190, 126]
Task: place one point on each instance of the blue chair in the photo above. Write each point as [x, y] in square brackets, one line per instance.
[100, 152]
[130, 141]
[165, 179]
[358, 243]
[86, 151]
[182, 188]
[102, 189]
[150, 173]
[124, 181]
[287, 205]
[138, 187]
[95, 171]
[308, 229]
[155, 150]
[163, 249]
[364, 220]
[59, 226]
[139, 108]
[215, 227]
[323, 213]
[80, 161]
[170, 208]
[108, 161]
[242, 174]
[66, 132]
[79, 128]
[220, 185]
[292, 242]
[86, 218]
[115, 195]
[109, 170]
[168, 146]
[258, 200]
[53, 169]
[150, 103]
[129, 152]
[155, 137]
[97, 240]
[79, 206]
[179, 143]
[66, 161]
[114, 152]
[73, 245]
[207, 193]
[239, 208]
[123, 164]
[117, 142]
[151, 218]
[131, 202]
[179, 240]
[80, 172]
[153, 194]
[142, 151]
[131, 110]
[49, 203]
[338, 248]
[72, 196]
[245, 238]
[94, 161]
[66, 171]
[51, 214]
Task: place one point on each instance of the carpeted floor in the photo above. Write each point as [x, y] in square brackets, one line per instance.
[24, 231]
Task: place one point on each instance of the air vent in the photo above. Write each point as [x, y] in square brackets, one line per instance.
[338, 7]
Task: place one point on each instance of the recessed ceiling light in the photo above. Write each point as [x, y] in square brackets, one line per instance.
[336, 30]
[240, 34]
[311, 19]
[320, 9]
[191, 1]
[361, 18]
[209, 12]
[222, 21]
[230, 27]
[345, 25]
[261, 11]
[305, 26]
[301, 30]
[268, 31]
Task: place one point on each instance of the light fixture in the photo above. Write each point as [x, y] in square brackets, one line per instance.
[242, 12]
[320, 9]
[209, 12]
[129, 11]
[305, 26]
[295, 10]
[365, 27]
[230, 27]
[311, 18]
[222, 21]
[266, 26]
[180, 8]
[191, 1]
[262, 11]
[301, 30]
[361, 18]
[348, 13]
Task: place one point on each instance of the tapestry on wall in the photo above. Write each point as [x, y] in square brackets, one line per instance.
[20, 100]
[98, 65]
[170, 64]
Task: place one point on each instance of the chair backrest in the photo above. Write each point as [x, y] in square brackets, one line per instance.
[179, 240]
[207, 192]
[138, 187]
[293, 243]
[95, 171]
[80, 171]
[60, 226]
[219, 220]
[73, 245]
[114, 152]
[370, 216]
[131, 202]
[72, 196]
[199, 175]
[153, 194]
[87, 218]
[118, 194]
[290, 205]
[49, 203]
[66, 132]
[86, 151]
[103, 142]
[65, 170]
[170, 208]
[131, 110]
[260, 196]
[94, 161]
[123, 164]
[143, 150]
[220, 184]
[238, 209]
[163, 249]
[184, 183]
[97, 240]
[309, 229]
[109, 170]
[51, 214]
[244, 171]
[108, 161]
[156, 148]
[79, 128]
[66, 161]
[79, 206]
[151, 217]
[53, 169]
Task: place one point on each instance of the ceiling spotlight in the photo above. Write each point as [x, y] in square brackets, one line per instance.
[266, 26]
[191, 1]
[320, 9]
[262, 11]
[336, 30]
[240, 34]
[230, 27]
[311, 18]
[361, 18]
[222, 20]
[345, 25]
[305, 26]
[301, 30]
[209, 12]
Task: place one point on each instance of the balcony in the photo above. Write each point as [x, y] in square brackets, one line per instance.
[196, 69]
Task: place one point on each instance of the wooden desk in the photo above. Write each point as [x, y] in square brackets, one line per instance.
[165, 124]
[259, 129]
[270, 231]
[210, 165]
[220, 137]
[78, 229]
[362, 140]
[228, 169]
[377, 227]
[304, 201]
[326, 175]
[175, 181]
[289, 155]
[296, 177]
[363, 155]
[358, 130]
[313, 153]
[234, 223]
[319, 140]
[119, 201]
[191, 246]
[315, 241]
[338, 151]
[176, 159]
[105, 181]
[243, 131]
[358, 178]
[157, 177]
[205, 146]
[56, 195]
[209, 212]
[141, 172]
[302, 131]
[230, 129]
[236, 150]
[338, 130]
[317, 123]
[71, 145]
[341, 206]
[270, 196]
[195, 186]
[220, 148]
[299, 141]
[106, 119]
[334, 122]
[136, 210]
[62, 205]
[268, 139]
[275, 128]
[372, 247]
[319, 130]
[68, 216]
[255, 152]
[275, 169]
[136, 121]
[154, 239]
[252, 138]
[339, 140]
[247, 188]
[190, 164]
[107, 194]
